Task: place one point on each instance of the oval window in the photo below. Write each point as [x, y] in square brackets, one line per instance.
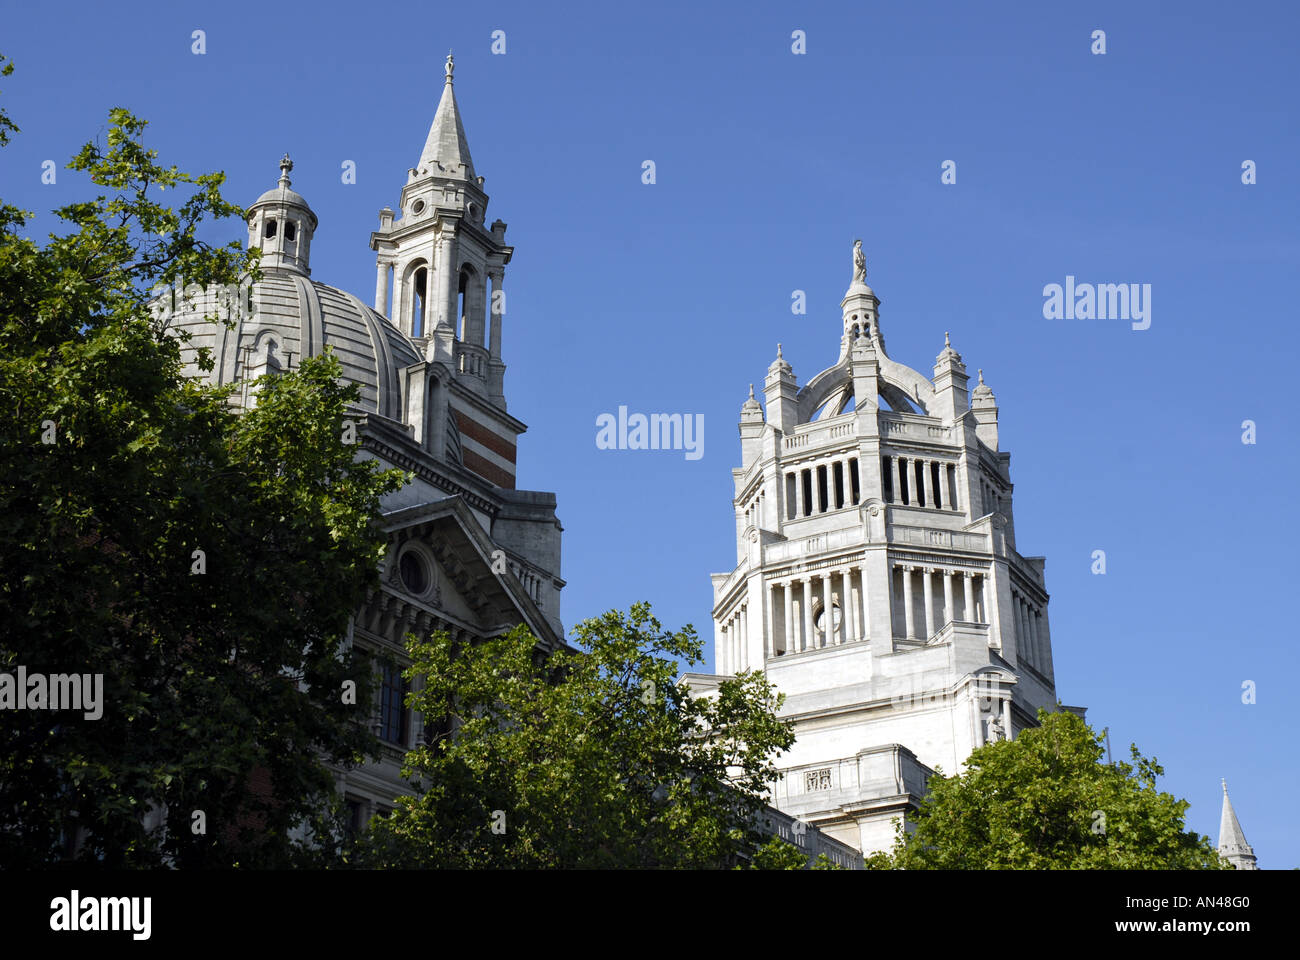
[413, 572]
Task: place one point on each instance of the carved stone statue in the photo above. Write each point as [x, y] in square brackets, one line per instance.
[993, 726]
[859, 263]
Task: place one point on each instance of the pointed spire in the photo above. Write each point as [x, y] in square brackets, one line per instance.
[1232, 839]
[446, 151]
[285, 166]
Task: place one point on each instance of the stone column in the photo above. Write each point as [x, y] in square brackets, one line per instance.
[1006, 718]
[910, 626]
[968, 593]
[807, 614]
[864, 628]
[789, 623]
[769, 634]
[846, 604]
[947, 597]
[444, 311]
[927, 594]
[911, 481]
[742, 656]
[1022, 628]
[943, 485]
[381, 288]
[723, 641]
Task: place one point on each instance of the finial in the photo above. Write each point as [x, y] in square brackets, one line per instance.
[778, 352]
[1225, 786]
[946, 341]
[751, 391]
[285, 166]
[981, 378]
[451, 64]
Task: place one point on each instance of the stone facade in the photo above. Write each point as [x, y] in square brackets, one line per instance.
[467, 552]
[877, 580]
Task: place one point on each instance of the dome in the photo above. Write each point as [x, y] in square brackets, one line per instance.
[291, 316]
[283, 195]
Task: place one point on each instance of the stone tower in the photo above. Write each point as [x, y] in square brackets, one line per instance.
[877, 579]
[1232, 840]
[440, 280]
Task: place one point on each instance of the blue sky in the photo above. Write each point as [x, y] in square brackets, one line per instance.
[671, 297]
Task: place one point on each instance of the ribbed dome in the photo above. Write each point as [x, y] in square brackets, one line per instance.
[294, 316]
[282, 194]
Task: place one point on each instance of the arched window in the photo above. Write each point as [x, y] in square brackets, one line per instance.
[269, 230]
[290, 230]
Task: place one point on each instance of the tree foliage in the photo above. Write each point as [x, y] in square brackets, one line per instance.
[222, 668]
[584, 758]
[1046, 801]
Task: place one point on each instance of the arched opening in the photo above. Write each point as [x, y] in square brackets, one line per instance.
[269, 230]
[419, 297]
[290, 231]
[462, 298]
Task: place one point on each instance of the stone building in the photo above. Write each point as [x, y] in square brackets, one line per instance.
[878, 581]
[468, 552]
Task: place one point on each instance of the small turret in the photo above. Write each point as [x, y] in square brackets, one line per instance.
[281, 224]
[781, 390]
[985, 408]
[951, 398]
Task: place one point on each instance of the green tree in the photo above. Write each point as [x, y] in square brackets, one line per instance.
[206, 563]
[584, 758]
[778, 854]
[1046, 801]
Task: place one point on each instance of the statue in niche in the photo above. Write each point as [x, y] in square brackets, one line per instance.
[993, 727]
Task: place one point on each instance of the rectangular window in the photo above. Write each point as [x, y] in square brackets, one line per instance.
[392, 705]
[856, 483]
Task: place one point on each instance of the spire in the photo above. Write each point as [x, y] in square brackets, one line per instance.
[1232, 840]
[751, 410]
[446, 152]
[285, 166]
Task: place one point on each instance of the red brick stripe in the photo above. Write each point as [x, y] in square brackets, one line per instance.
[486, 469]
[481, 434]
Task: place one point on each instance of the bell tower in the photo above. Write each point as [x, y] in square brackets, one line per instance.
[440, 269]
[877, 580]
